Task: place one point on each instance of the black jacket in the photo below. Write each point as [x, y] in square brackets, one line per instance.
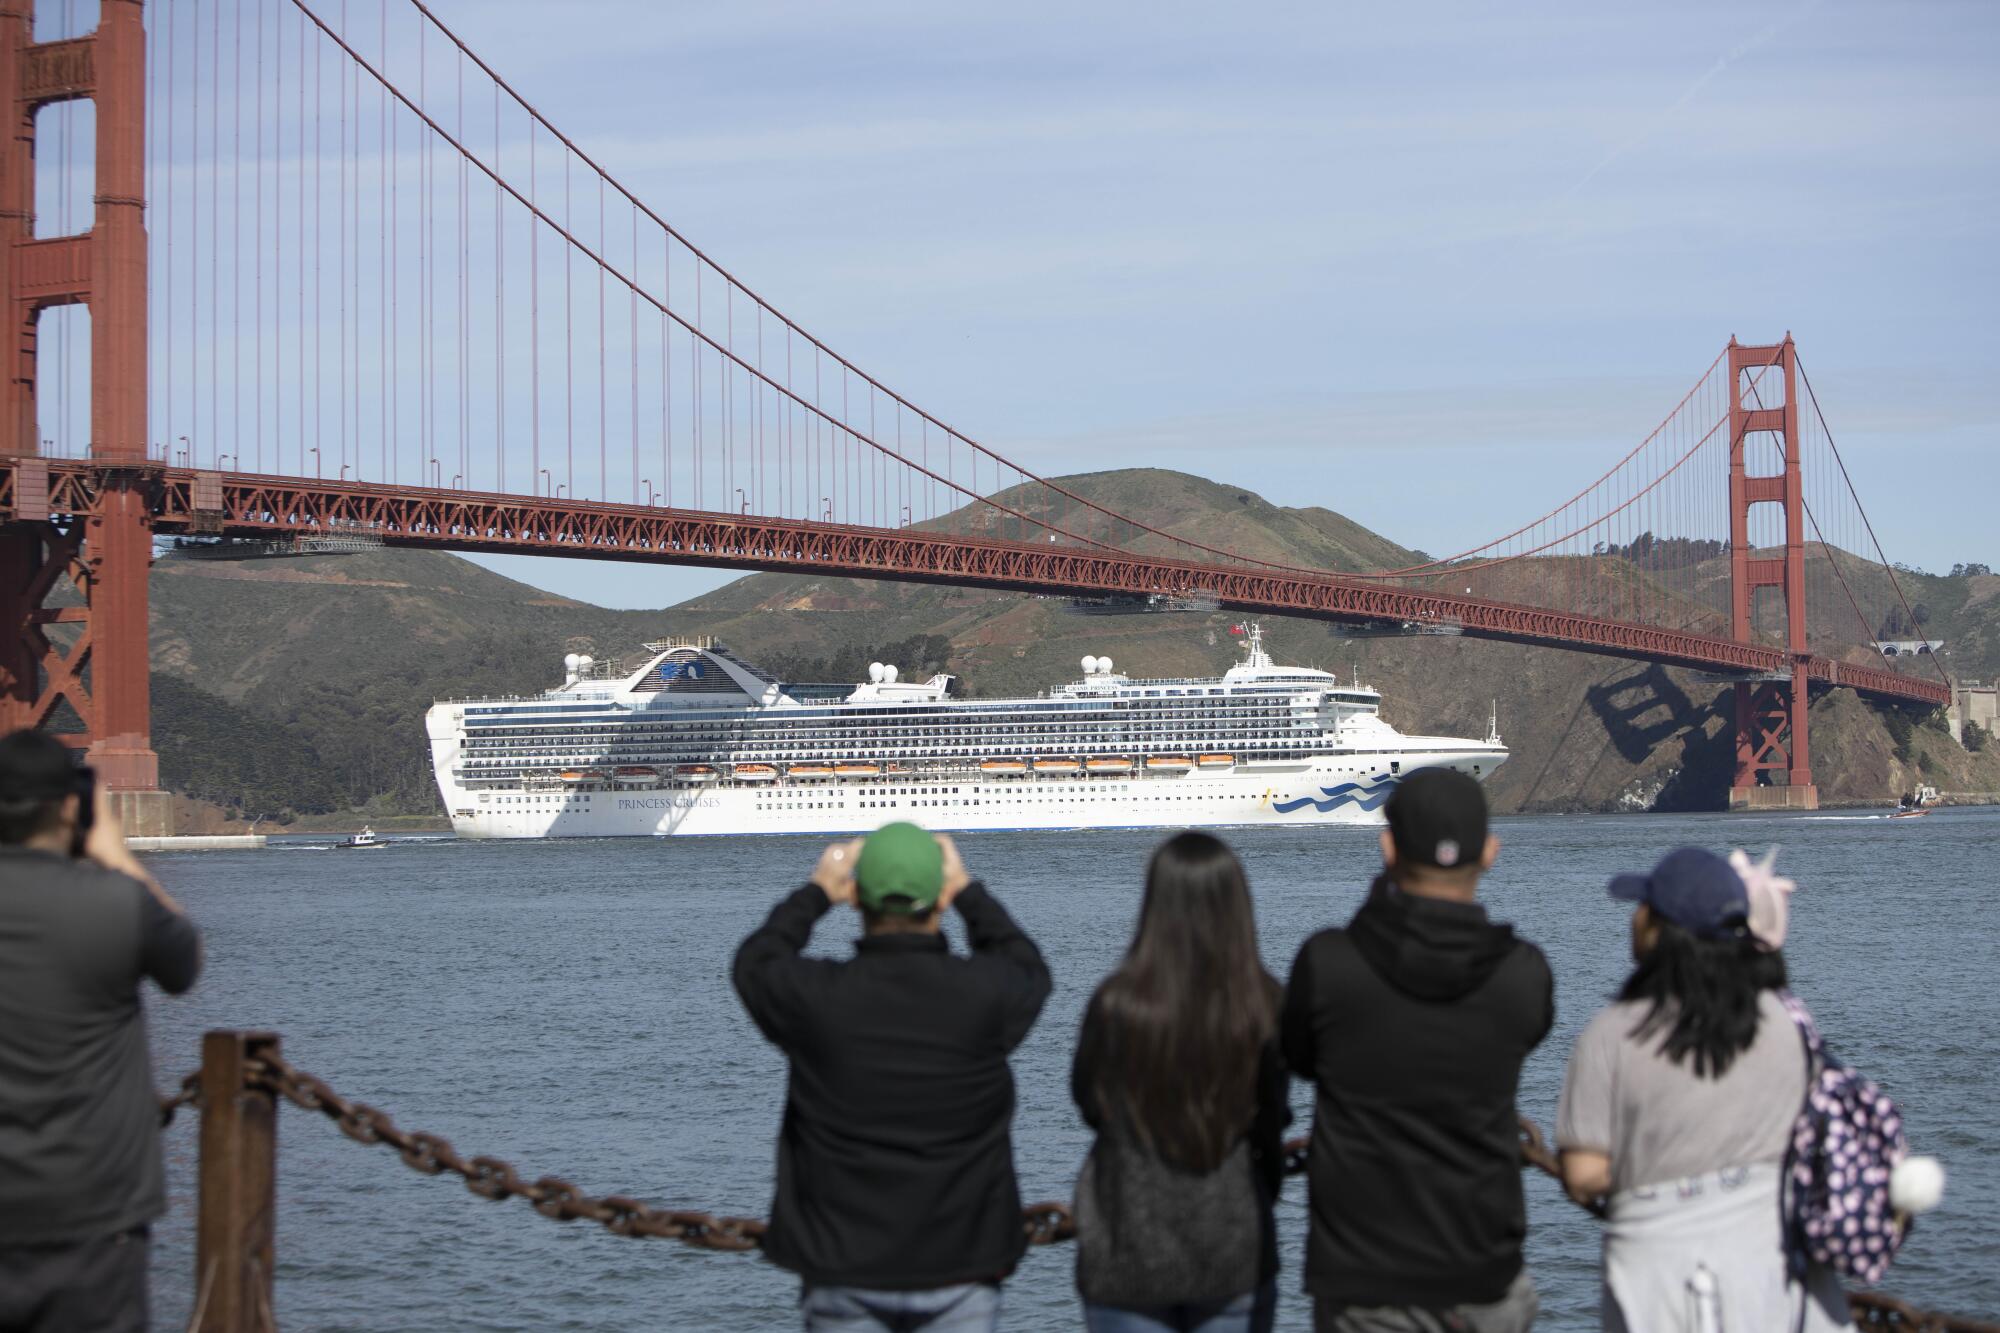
[1413, 1023]
[895, 1170]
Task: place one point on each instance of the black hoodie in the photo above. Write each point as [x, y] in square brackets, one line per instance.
[1413, 1024]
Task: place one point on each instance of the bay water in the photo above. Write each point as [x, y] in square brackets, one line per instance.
[566, 1005]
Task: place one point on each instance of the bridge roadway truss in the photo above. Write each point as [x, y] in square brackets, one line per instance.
[183, 500]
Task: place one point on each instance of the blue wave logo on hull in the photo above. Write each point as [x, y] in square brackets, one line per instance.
[1369, 795]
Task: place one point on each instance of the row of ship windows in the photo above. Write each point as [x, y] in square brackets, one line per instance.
[1265, 718]
[1234, 727]
[1080, 711]
[1152, 702]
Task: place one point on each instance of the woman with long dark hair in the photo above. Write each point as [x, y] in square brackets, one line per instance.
[1177, 1070]
[1678, 1108]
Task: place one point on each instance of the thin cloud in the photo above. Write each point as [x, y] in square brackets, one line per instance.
[1722, 62]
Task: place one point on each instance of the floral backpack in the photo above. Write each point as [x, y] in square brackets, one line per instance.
[1845, 1144]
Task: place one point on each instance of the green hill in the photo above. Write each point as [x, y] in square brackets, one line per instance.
[299, 685]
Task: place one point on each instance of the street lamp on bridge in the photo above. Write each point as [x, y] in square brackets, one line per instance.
[187, 448]
[548, 482]
[437, 474]
[343, 471]
[745, 506]
[456, 478]
[828, 502]
[311, 449]
[219, 458]
[906, 516]
[648, 481]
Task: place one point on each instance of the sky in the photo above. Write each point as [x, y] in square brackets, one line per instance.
[1433, 266]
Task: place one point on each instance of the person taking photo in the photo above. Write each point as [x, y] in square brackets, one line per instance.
[81, 925]
[896, 1200]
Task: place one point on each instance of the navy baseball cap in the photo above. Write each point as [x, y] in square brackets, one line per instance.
[1693, 888]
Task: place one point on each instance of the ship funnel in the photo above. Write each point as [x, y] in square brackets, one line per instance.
[875, 670]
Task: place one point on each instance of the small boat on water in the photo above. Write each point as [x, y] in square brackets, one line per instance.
[1915, 804]
[361, 841]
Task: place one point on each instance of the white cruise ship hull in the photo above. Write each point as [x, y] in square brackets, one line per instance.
[699, 742]
[1346, 790]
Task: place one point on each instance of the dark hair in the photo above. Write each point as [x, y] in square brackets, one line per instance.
[19, 823]
[36, 773]
[1703, 994]
[1180, 1025]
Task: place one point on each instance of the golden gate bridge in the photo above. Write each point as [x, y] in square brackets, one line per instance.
[312, 268]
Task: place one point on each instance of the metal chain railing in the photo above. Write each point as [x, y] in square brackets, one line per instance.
[492, 1178]
[1045, 1223]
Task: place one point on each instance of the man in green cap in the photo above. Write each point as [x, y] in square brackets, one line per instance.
[896, 1199]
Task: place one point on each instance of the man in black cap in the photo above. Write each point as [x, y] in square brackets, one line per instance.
[1413, 1024]
[81, 922]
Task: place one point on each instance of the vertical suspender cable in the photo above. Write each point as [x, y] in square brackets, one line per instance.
[534, 320]
[569, 344]
[214, 238]
[258, 425]
[603, 448]
[171, 96]
[499, 312]
[340, 202]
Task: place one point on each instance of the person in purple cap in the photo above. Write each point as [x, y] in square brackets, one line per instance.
[1413, 1023]
[1678, 1106]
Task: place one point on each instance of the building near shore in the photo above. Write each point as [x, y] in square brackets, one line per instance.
[1972, 702]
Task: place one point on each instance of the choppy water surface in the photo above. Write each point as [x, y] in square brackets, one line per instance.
[566, 1005]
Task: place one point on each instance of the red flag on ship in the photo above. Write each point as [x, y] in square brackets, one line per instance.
[1236, 629]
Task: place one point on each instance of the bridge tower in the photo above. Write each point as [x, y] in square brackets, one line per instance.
[105, 553]
[1773, 755]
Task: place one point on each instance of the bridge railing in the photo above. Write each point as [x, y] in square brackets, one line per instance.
[244, 1078]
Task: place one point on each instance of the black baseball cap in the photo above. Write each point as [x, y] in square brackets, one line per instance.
[1437, 817]
[35, 768]
[1693, 888]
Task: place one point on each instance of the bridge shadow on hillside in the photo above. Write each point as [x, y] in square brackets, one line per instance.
[1645, 709]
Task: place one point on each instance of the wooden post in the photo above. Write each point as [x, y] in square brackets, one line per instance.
[235, 1235]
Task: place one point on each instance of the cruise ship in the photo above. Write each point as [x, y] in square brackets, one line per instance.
[699, 741]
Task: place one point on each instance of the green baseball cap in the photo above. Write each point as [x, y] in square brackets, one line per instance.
[901, 869]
